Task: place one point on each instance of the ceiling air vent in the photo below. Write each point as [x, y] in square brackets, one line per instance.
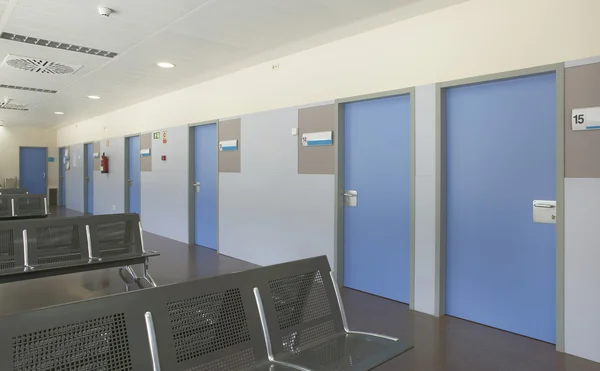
[39, 65]
[25, 88]
[9, 105]
[57, 45]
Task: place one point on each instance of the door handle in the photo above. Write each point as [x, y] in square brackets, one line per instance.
[44, 175]
[130, 182]
[196, 187]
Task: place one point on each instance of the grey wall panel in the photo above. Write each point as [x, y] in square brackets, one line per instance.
[582, 277]
[272, 218]
[230, 161]
[74, 179]
[582, 148]
[425, 196]
[97, 160]
[316, 160]
[164, 190]
[109, 189]
[269, 146]
[146, 143]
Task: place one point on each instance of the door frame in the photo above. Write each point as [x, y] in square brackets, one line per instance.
[45, 164]
[85, 173]
[339, 148]
[440, 225]
[191, 173]
[59, 188]
[126, 177]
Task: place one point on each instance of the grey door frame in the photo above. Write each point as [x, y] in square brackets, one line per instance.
[45, 162]
[85, 173]
[339, 147]
[59, 186]
[440, 269]
[191, 180]
[126, 185]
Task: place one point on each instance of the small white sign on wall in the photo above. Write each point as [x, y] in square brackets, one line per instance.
[228, 145]
[323, 138]
[585, 118]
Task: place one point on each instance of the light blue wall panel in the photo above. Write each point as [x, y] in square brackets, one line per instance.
[269, 213]
[74, 179]
[109, 189]
[165, 188]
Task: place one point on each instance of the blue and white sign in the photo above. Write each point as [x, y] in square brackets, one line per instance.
[145, 152]
[323, 138]
[96, 154]
[585, 119]
[228, 145]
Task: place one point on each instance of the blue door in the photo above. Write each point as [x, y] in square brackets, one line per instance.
[89, 177]
[377, 167]
[62, 197]
[205, 185]
[501, 155]
[32, 169]
[134, 175]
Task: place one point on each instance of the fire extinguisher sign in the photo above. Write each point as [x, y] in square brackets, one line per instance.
[164, 137]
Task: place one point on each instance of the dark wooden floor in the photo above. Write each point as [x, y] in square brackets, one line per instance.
[446, 344]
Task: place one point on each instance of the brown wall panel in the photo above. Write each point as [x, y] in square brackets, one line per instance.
[230, 161]
[582, 148]
[97, 160]
[321, 159]
[146, 143]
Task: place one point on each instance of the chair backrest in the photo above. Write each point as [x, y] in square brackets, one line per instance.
[13, 191]
[22, 205]
[105, 334]
[300, 304]
[63, 240]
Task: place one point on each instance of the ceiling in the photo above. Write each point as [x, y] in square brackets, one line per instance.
[204, 38]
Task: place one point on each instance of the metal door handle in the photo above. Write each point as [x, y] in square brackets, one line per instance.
[196, 184]
[349, 195]
[130, 182]
[44, 175]
[545, 206]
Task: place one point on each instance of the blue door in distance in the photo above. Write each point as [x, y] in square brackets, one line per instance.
[377, 167]
[205, 185]
[134, 175]
[62, 197]
[89, 177]
[501, 155]
[32, 169]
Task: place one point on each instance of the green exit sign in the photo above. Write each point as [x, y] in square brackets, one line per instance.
[157, 135]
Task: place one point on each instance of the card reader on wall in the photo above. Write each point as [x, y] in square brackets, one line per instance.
[228, 145]
[544, 211]
[323, 138]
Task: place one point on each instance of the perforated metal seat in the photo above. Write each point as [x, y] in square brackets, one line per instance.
[17, 206]
[304, 321]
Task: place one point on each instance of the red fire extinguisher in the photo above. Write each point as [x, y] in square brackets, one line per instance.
[104, 164]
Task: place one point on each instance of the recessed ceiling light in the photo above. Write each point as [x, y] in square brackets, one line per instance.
[59, 113]
[93, 97]
[165, 65]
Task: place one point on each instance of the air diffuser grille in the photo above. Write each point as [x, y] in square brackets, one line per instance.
[57, 45]
[13, 106]
[39, 65]
[25, 88]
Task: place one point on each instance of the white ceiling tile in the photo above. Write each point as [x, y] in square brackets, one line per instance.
[204, 38]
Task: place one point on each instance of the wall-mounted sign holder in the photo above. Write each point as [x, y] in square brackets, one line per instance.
[585, 119]
[145, 152]
[228, 145]
[323, 138]
[96, 154]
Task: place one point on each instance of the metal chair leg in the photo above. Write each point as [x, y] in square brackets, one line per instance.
[147, 275]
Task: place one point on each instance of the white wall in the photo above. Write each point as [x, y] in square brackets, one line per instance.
[269, 213]
[11, 138]
[474, 38]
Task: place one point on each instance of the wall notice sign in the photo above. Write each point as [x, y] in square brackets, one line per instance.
[323, 138]
[50, 159]
[156, 135]
[164, 136]
[585, 118]
[108, 143]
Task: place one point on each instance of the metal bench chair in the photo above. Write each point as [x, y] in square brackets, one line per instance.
[305, 325]
[20, 206]
[48, 247]
[13, 191]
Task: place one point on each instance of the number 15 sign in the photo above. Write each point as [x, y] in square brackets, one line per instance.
[585, 118]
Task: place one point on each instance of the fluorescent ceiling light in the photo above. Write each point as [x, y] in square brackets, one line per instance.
[59, 113]
[165, 65]
[93, 97]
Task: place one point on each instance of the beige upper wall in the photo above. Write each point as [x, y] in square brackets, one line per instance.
[474, 38]
[11, 138]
